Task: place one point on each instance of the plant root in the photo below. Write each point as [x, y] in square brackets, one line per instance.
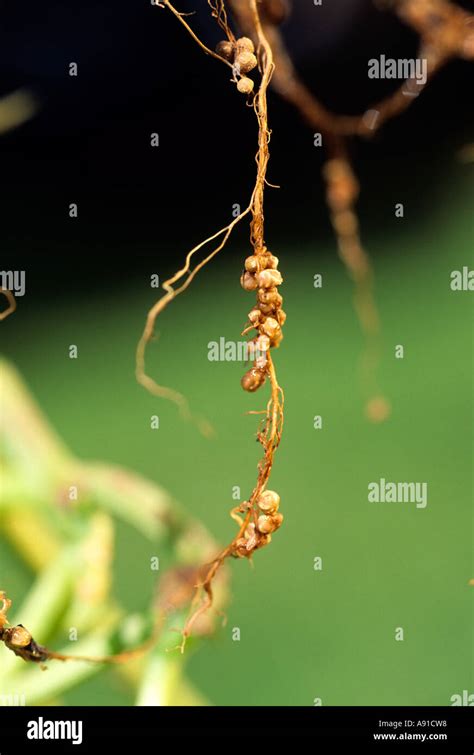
[254, 525]
[11, 303]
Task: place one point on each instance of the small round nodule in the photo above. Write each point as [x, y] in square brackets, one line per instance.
[277, 520]
[272, 261]
[225, 49]
[269, 278]
[267, 309]
[265, 524]
[281, 316]
[271, 327]
[18, 637]
[269, 502]
[254, 316]
[244, 43]
[251, 263]
[245, 61]
[252, 380]
[245, 85]
[270, 296]
[248, 281]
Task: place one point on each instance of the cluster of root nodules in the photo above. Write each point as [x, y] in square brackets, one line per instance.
[241, 54]
[267, 317]
[261, 274]
[258, 533]
[258, 518]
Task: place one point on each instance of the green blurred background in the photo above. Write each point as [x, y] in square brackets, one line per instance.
[305, 634]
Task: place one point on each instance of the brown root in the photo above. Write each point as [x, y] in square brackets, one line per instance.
[269, 433]
[446, 31]
[11, 303]
[19, 640]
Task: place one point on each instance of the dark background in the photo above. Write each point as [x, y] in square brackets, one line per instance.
[140, 73]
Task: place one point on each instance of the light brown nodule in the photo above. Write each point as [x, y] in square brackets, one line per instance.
[245, 85]
[252, 380]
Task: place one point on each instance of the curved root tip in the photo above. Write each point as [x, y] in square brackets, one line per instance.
[11, 303]
[206, 428]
